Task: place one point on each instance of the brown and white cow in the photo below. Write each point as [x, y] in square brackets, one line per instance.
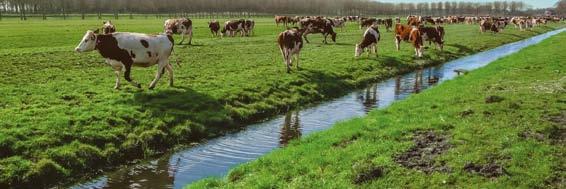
[486, 25]
[108, 27]
[318, 25]
[409, 33]
[182, 26]
[123, 50]
[370, 40]
[433, 34]
[367, 22]
[290, 43]
[232, 27]
[282, 20]
[214, 26]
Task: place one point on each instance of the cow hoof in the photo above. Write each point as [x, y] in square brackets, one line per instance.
[138, 86]
[116, 87]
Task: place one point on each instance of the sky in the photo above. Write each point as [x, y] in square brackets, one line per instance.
[534, 3]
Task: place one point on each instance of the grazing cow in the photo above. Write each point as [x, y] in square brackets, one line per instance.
[487, 25]
[124, 50]
[182, 26]
[388, 24]
[214, 26]
[364, 23]
[318, 25]
[433, 34]
[281, 20]
[370, 40]
[290, 43]
[249, 27]
[108, 27]
[406, 33]
[231, 27]
[339, 23]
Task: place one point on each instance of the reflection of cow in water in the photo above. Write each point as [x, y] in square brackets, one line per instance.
[369, 98]
[291, 128]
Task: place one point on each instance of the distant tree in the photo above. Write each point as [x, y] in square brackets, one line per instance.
[561, 7]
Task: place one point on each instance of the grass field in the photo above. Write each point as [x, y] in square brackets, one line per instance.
[502, 126]
[60, 118]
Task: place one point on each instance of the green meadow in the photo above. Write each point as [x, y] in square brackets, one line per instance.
[61, 119]
[501, 126]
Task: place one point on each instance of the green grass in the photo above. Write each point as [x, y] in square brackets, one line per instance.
[523, 134]
[60, 116]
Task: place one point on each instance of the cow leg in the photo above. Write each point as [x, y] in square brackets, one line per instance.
[297, 59]
[182, 39]
[397, 41]
[375, 50]
[128, 68]
[169, 69]
[305, 36]
[117, 71]
[190, 36]
[324, 41]
[160, 69]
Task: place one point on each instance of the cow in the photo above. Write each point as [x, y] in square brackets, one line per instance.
[108, 27]
[339, 23]
[231, 27]
[487, 25]
[290, 43]
[364, 23]
[397, 20]
[318, 25]
[182, 26]
[413, 20]
[409, 33]
[249, 27]
[388, 24]
[123, 50]
[370, 40]
[214, 26]
[281, 20]
[433, 34]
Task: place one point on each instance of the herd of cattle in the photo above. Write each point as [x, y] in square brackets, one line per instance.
[122, 50]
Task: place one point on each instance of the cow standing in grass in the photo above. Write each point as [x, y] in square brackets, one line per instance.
[370, 40]
[290, 43]
[232, 27]
[409, 33]
[123, 50]
[182, 26]
[249, 27]
[318, 25]
[214, 27]
[108, 27]
[433, 34]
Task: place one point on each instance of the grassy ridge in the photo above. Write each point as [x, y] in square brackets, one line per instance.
[502, 126]
[60, 117]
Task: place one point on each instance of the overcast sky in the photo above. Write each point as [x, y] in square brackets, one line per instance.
[534, 3]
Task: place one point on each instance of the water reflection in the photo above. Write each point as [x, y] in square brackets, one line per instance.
[291, 128]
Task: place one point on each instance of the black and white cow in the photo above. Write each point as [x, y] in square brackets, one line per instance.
[232, 27]
[182, 26]
[249, 27]
[108, 27]
[290, 43]
[123, 50]
[370, 40]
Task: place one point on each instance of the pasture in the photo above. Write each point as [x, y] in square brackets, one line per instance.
[501, 126]
[61, 119]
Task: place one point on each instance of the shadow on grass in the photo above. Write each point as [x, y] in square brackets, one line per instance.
[181, 104]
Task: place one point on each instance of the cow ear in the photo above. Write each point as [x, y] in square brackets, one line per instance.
[97, 31]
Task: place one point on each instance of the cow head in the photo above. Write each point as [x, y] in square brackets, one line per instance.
[359, 51]
[88, 43]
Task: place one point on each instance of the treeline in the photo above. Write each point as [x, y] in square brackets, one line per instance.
[45, 8]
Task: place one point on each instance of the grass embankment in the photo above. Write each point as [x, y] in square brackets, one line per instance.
[502, 126]
[60, 118]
